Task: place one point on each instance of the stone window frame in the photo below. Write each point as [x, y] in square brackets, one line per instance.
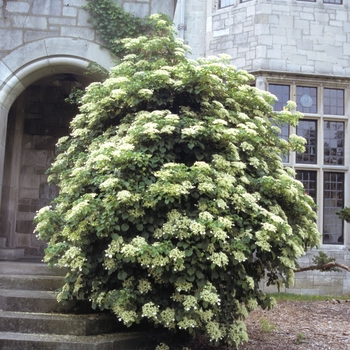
[326, 2]
[320, 168]
[226, 4]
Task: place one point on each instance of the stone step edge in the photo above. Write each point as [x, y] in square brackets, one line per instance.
[28, 294]
[56, 315]
[59, 323]
[85, 339]
[30, 268]
[20, 276]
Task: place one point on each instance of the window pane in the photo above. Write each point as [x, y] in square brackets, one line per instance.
[225, 3]
[308, 0]
[309, 180]
[333, 202]
[338, 2]
[306, 99]
[333, 101]
[334, 143]
[285, 135]
[282, 92]
[308, 130]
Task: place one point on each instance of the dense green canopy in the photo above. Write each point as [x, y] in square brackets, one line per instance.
[174, 203]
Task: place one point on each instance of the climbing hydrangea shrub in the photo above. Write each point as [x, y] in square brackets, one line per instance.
[174, 203]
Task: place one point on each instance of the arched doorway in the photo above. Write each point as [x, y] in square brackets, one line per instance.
[33, 115]
[37, 119]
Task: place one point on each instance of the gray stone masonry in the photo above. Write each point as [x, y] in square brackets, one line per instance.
[283, 35]
[28, 20]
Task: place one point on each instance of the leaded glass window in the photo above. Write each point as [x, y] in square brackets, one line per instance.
[333, 202]
[333, 101]
[333, 143]
[309, 180]
[282, 92]
[337, 2]
[308, 130]
[226, 3]
[306, 99]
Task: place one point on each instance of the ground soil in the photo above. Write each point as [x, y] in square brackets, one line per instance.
[296, 325]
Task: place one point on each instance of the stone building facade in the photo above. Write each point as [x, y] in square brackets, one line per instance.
[299, 50]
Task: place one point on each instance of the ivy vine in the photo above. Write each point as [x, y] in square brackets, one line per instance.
[114, 23]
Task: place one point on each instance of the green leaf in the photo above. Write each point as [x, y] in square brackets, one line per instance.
[125, 227]
[122, 275]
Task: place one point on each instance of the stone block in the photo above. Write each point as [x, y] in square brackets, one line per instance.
[32, 126]
[322, 281]
[45, 142]
[32, 35]
[313, 291]
[47, 7]
[27, 169]
[10, 38]
[29, 216]
[62, 21]
[77, 32]
[24, 205]
[164, 6]
[37, 204]
[24, 226]
[69, 11]
[17, 6]
[47, 191]
[40, 170]
[31, 22]
[29, 193]
[34, 157]
[139, 10]
[29, 181]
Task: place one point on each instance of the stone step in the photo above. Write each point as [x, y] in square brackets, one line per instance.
[3, 241]
[32, 301]
[115, 341]
[65, 324]
[11, 254]
[29, 268]
[30, 282]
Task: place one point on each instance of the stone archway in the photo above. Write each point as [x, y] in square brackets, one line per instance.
[32, 116]
[37, 119]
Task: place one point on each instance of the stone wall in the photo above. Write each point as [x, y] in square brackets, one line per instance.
[317, 282]
[27, 21]
[283, 35]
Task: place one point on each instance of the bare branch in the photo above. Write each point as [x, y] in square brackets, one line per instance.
[325, 267]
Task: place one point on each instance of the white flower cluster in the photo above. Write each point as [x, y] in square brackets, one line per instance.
[225, 222]
[220, 121]
[193, 130]
[150, 310]
[209, 294]
[144, 286]
[190, 302]
[162, 346]
[129, 282]
[205, 215]
[220, 234]
[127, 316]
[168, 317]
[214, 332]
[124, 196]
[187, 323]
[269, 227]
[219, 259]
[206, 315]
[186, 286]
[177, 255]
[206, 187]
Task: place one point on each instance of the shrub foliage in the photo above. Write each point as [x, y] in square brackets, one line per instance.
[174, 203]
